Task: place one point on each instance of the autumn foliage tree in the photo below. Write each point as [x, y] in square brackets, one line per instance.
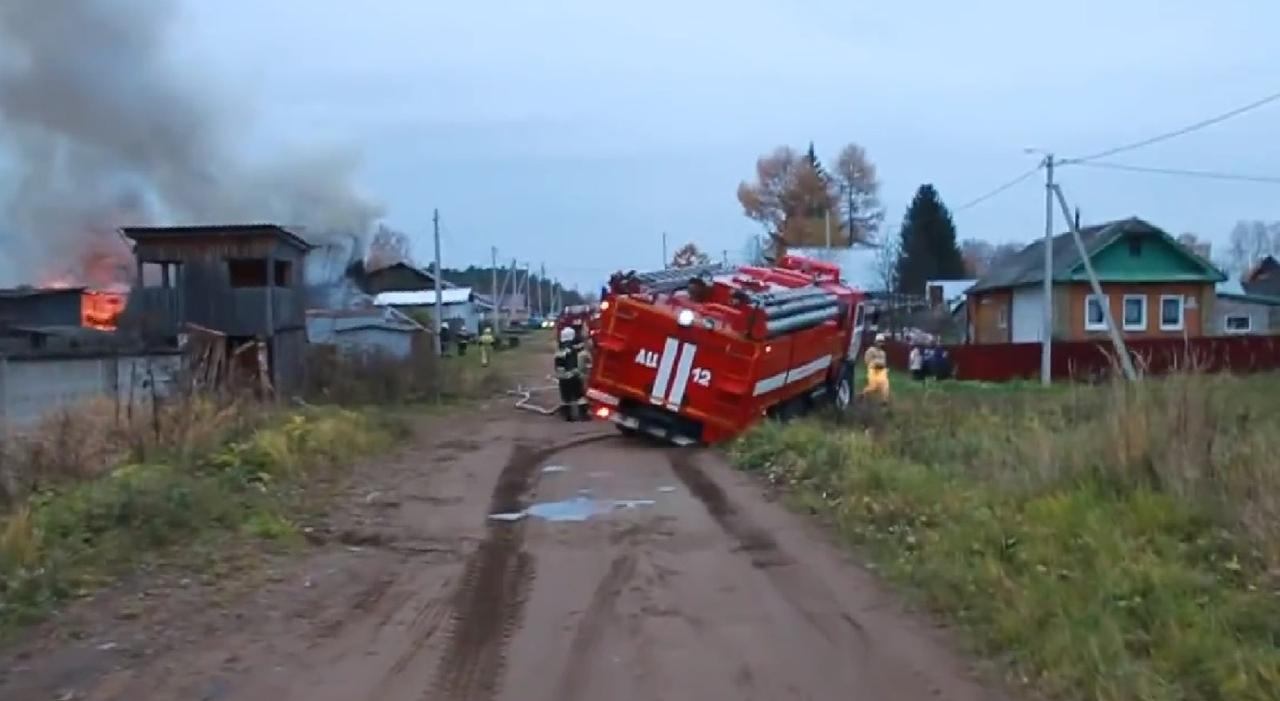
[688, 256]
[795, 198]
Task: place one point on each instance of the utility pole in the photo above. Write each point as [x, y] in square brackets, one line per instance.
[435, 225]
[827, 216]
[1117, 340]
[515, 290]
[665, 260]
[497, 301]
[725, 254]
[542, 285]
[1046, 334]
[493, 284]
[849, 193]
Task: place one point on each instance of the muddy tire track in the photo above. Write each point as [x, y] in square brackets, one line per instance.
[808, 599]
[601, 613]
[491, 594]
[758, 543]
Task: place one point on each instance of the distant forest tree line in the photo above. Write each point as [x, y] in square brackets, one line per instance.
[480, 279]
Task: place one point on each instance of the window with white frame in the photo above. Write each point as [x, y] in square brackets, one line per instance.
[1238, 323]
[1135, 312]
[1172, 312]
[1095, 318]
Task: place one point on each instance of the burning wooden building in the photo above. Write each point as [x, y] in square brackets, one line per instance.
[60, 306]
[242, 282]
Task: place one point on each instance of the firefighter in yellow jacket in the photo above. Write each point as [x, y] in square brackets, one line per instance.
[877, 371]
[486, 346]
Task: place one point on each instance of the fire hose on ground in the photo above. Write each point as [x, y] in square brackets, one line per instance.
[525, 398]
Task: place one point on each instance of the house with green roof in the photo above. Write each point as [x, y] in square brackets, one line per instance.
[1154, 286]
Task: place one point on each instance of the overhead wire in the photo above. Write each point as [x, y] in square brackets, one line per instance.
[1177, 132]
[979, 200]
[1208, 174]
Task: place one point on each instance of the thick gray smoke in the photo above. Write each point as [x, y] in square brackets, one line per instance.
[97, 130]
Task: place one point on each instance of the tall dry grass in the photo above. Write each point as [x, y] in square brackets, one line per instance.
[1211, 439]
[85, 440]
[1115, 542]
[353, 378]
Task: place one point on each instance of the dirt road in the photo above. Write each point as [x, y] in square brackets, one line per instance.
[691, 586]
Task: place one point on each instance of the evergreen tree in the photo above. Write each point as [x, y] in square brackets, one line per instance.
[928, 249]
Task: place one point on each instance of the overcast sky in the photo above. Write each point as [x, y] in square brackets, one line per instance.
[576, 131]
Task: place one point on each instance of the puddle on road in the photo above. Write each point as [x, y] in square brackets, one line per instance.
[577, 509]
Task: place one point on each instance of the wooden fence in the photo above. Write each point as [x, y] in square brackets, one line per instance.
[1091, 360]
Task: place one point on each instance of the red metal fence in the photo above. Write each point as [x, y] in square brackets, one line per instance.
[1087, 360]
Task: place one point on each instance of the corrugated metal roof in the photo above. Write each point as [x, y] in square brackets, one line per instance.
[422, 298]
[323, 326]
[1027, 267]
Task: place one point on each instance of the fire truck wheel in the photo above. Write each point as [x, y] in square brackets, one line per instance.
[842, 392]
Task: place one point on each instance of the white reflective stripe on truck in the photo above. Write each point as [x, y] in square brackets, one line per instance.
[795, 374]
[663, 379]
[687, 352]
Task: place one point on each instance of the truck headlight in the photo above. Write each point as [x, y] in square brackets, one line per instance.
[685, 317]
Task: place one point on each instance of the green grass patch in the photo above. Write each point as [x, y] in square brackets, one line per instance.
[67, 540]
[1109, 543]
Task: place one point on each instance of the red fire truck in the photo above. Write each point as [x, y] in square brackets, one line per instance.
[699, 355]
[575, 315]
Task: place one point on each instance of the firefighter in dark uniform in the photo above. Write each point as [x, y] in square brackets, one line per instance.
[569, 374]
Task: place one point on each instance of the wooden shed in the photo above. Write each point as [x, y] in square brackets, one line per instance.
[244, 281]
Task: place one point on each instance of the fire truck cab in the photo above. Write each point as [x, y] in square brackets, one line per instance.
[700, 354]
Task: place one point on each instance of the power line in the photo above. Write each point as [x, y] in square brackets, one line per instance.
[1213, 175]
[975, 202]
[1178, 132]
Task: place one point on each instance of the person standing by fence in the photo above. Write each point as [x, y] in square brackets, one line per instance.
[915, 363]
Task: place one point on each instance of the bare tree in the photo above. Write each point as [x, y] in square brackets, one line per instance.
[388, 247]
[1249, 243]
[977, 255]
[980, 257]
[688, 256]
[886, 264]
[754, 250]
[861, 210]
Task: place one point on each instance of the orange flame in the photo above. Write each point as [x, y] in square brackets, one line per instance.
[101, 310]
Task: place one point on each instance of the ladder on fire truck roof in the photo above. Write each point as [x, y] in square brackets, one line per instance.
[672, 279]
